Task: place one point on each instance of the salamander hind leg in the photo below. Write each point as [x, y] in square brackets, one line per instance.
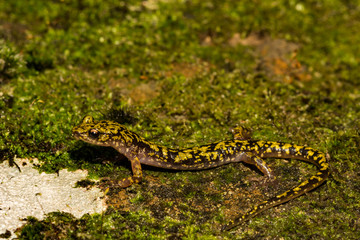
[307, 185]
[260, 164]
[241, 133]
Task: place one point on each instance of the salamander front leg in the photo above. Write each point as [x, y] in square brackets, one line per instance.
[137, 174]
[126, 182]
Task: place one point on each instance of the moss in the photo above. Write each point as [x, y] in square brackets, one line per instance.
[183, 73]
[11, 62]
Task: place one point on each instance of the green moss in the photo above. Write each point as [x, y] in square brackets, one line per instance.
[183, 73]
[11, 62]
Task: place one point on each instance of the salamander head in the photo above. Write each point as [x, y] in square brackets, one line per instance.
[103, 133]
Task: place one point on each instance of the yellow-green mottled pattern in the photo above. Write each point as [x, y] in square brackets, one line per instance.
[139, 151]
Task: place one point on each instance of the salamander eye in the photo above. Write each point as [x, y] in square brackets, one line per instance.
[93, 133]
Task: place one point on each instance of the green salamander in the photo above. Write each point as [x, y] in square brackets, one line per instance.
[140, 151]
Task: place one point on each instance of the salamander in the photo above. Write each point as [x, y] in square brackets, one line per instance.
[241, 149]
